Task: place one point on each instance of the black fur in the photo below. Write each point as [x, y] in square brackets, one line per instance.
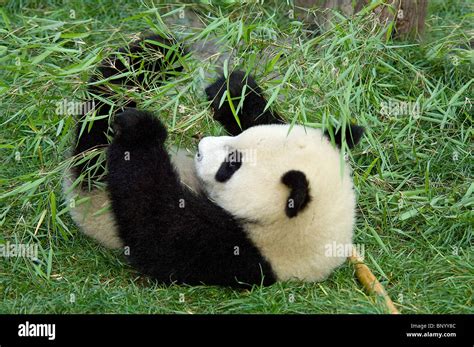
[230, 166]
[299, 194]
[353, 134]
[173, 235]
[251, 112]
[142, 131]
[153, 59]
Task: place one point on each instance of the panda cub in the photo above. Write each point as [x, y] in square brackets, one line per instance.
[253, 208]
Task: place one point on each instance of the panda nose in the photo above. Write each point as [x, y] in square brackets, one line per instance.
[210, 144]
[203, 145]
[199, 155]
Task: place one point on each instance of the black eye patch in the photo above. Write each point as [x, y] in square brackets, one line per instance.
[231, 164]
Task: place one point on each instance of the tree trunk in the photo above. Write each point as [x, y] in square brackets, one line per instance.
[409, 15]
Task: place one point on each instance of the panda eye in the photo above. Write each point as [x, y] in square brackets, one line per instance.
[231, 164]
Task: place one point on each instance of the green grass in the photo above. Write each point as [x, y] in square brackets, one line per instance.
[412, 172]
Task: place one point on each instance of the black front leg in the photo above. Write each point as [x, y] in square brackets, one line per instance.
[143, 186]
[141, 177]
[252, 112]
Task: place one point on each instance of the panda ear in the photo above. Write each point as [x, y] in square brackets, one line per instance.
[299, 192]
[353, 134]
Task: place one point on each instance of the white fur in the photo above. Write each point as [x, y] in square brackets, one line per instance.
[91, 210]
[296, 247]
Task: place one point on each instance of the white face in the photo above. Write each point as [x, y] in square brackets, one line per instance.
[243, 174]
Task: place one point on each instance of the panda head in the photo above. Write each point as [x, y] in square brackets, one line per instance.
[270, 173]
[290, 189]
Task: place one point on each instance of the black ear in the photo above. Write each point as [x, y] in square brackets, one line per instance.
[299, 194]
[353, 134]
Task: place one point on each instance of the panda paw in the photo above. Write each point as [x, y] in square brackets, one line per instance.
[253, 108]
[134, 128]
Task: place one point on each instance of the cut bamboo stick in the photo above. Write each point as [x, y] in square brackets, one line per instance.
[369, 281]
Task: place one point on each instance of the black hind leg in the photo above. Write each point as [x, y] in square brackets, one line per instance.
[151, 59]
[252, 111]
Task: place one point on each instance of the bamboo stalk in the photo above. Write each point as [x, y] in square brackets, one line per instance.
[369, 281]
